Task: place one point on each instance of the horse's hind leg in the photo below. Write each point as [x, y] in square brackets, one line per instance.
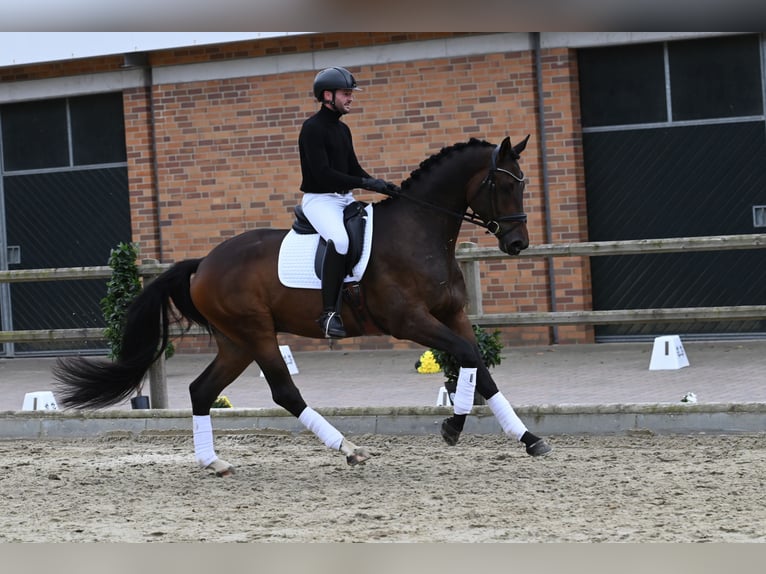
[228, 364]
[286, 395]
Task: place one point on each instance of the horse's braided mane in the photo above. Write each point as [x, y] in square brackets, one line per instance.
[428, 163]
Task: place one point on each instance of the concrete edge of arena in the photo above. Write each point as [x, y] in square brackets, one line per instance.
[721, 418]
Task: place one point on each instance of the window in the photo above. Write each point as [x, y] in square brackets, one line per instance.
[715, 78]
[98, 131]
[622, 85]
[35, 135]
[707, 79]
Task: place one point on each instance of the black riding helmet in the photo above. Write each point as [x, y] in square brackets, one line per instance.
[333, 79]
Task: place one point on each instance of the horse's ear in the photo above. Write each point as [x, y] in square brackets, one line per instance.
[506, 149]
[521, 146]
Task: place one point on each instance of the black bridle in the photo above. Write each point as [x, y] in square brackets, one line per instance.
[492, 224]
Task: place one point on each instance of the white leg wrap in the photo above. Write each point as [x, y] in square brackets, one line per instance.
[506, 416]
[466, 385]
[317, 424]
[203, 440]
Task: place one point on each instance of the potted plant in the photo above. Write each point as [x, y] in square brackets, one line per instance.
[489, 347]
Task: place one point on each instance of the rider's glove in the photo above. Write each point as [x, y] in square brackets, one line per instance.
[378, 185]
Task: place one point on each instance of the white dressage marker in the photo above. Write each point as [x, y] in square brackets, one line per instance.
[668, 353]
[39, 401]
[289, 360]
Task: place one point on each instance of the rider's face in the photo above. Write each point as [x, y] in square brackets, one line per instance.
[343, 99]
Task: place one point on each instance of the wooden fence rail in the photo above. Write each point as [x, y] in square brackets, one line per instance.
[469, 254]
[628, 247]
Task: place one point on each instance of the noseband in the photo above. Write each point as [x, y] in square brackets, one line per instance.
[492, 225]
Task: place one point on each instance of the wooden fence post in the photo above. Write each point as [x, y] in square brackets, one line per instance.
[158, 384]
[472, 276]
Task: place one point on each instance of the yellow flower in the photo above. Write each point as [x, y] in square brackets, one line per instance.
[428, 364]
[222, 402]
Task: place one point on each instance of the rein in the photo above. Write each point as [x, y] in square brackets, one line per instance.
[492, 225]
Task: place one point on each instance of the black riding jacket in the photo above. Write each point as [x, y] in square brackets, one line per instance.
[328, 160]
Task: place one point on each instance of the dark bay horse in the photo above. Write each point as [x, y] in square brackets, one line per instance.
[412, 289]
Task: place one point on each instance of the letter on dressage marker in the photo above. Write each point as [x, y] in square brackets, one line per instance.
[668, 353]
[289, 360]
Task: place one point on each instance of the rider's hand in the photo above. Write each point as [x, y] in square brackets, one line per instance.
[378, 185]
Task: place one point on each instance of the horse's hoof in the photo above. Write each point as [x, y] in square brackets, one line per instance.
[221, 468]
[360, 456]
[539, 448]
[449, 433]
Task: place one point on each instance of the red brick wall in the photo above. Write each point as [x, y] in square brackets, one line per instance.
[143, 198]
[566, 187]
[227, 159]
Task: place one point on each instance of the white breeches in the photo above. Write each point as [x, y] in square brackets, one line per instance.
[325, 212]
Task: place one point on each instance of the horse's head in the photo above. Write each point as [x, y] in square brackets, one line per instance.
[497, 201]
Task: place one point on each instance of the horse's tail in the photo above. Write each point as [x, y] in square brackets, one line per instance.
[89, 383]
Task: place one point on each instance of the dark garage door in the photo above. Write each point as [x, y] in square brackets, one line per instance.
[65, 191]
[689, 165]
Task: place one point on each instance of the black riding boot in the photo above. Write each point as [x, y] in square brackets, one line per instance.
[333, 273]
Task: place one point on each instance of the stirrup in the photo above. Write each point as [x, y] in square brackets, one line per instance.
[332, 325]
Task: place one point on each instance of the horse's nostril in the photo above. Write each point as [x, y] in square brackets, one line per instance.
[514, 247]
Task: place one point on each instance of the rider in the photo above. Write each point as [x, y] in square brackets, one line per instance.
[331, 171]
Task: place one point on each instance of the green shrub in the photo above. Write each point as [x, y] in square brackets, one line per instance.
[121, 289]
[123, 286]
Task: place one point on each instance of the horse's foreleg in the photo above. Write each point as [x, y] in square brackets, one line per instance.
[509, 421]
[514, 427]
[465, 389]
[462, 405]
[479, 379]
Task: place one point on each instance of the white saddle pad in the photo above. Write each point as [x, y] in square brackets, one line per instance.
[297, 253]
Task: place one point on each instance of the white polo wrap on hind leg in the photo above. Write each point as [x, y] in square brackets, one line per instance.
[466, 385]
[317, 424]
[506, 416]
[203, 440]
